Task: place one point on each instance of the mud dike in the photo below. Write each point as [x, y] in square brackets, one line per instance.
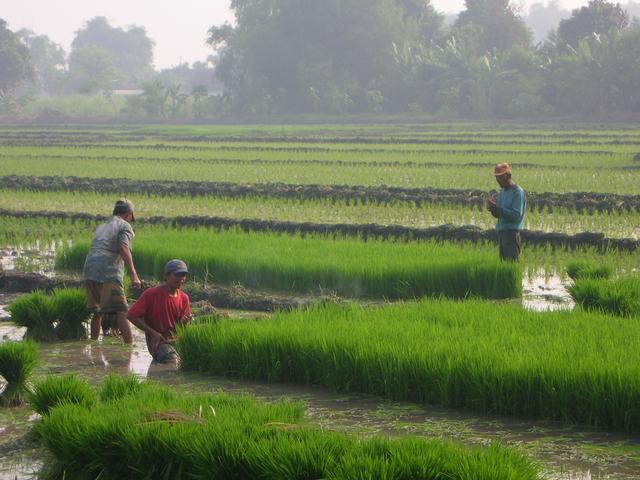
[449, 233]
[584, 202]
[231, 297]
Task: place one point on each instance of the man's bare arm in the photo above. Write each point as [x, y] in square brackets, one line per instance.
[156, 337]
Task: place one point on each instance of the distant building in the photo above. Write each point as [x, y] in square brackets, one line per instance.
[128, 92]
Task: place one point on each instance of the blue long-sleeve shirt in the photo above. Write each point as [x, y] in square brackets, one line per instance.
[512, 203]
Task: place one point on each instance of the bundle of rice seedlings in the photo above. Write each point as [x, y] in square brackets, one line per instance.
[71, 313]
[36, 312]
[17, 360]
[54, 391]
[586, 269]
[161, 434]
[116, 386]
[348, 266]
[619, 297]
[573, 366]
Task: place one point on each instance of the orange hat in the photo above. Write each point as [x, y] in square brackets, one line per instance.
[501, 169]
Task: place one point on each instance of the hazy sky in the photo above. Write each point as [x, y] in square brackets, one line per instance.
[179, 28]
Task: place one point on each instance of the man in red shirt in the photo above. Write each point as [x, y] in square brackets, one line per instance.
[159, 309]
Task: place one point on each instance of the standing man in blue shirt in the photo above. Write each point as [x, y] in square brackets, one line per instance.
[509, 209]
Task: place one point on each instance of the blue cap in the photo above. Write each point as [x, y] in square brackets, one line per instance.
[176, 266]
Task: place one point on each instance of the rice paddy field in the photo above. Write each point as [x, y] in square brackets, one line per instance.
[387, 224]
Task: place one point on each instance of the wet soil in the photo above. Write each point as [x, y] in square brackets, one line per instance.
[233, 297]
[582, 202]
[565, 452]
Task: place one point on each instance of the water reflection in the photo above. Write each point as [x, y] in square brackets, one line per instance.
[114, 360]
[542, 292]
[37, 257]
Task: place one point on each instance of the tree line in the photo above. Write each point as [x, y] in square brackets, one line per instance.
[395, 56]
[357, 57]
[103, 59]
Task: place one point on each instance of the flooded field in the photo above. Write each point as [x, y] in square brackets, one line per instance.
[367, 184]
[34, 258]
[564, 452]
[543, 293]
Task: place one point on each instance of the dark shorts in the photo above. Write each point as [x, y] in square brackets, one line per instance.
[510, 244]
[105, 297]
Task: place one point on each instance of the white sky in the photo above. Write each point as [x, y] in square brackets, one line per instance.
[179, 28]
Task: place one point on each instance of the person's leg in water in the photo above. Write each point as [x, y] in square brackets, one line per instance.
[96, 323]
[112, 301]
[124, 326]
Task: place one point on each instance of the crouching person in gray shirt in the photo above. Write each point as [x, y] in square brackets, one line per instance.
[103, 272]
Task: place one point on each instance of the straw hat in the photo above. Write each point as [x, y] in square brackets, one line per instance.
[502, 169]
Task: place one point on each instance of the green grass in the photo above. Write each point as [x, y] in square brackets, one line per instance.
[85, 106]
[620, 296]
[156, 433]
[17, 361]
[481, 356]
[347, 266]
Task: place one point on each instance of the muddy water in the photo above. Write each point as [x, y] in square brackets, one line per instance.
[37, 258]
[546, 293]
[564, 452]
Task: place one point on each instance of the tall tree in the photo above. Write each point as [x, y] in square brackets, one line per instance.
[15, 62]
[598, 77]
[48, 59]
[131, 49]
[300, 55]
[492, 26]
[92, 69]
[428, 21]
[598, 17]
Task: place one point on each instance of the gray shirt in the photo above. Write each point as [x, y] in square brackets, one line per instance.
[104, 263]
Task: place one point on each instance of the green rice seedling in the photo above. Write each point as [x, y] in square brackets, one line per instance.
[71, 313]
[407, 169]
[36, 312]
[160, 435]
[345, 265]
[17, 361]
[54, 391]
[547, 258]
[588, 269]
[412, 458]
[618, 297]
[573, 366]
[321, 210]
[401, 156]
[114, 387]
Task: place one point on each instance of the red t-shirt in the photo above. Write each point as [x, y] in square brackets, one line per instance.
[159, 310]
